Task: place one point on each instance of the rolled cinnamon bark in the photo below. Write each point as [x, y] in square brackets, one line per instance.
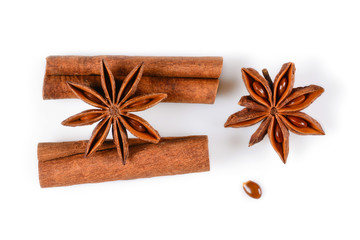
[183, 67]
[180, 90]
[63, 163]
[184, 79]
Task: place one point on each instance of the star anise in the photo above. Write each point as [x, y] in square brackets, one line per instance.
[277, 104]
[114, 110]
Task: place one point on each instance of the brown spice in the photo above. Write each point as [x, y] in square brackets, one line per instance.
[184, 79]
[115, 107]
[252, 189]
[278, 106]
[62, 164]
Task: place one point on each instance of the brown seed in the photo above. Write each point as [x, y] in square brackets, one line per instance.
[252, 189]
[136, 125]
[296, 101]
[142, 102]
[282, 86]
[259, 89]
[299, 122]
[278, 133]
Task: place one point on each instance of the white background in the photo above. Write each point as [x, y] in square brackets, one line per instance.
[314, 196]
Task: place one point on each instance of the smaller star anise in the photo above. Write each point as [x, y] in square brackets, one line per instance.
[278, 106]
[114, 110]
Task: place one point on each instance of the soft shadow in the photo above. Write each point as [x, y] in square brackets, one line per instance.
[230, 77]
[227, 86]
[323, 109]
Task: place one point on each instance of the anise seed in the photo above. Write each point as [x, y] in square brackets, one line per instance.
[296, 101]
[282, 86]
[259, 89]
[252, 189]
[278, 134]
[299, 122]
[136, 125]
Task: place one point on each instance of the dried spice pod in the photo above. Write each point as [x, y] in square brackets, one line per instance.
[300, 98]
[278, 106]
[279, 138]
[257, 86]
[247, 101]
[115, 107]
[260, 133]
[302, 124]
[244, 118]
[283, 83]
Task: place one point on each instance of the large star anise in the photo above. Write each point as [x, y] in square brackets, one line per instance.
[114, 110]
[278, 104]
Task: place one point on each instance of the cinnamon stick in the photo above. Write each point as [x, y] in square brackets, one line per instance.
[184, 79]
[180, 90]
[63, 163]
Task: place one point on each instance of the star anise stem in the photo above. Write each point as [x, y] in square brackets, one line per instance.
[267, 76]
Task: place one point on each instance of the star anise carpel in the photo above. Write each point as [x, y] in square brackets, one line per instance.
[278, 105]
[113, 110]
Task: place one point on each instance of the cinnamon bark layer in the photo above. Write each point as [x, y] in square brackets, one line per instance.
[63, 163]
[184, 79]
